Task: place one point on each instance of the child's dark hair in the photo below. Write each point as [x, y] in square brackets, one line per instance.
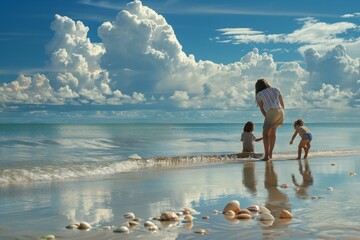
[299, 122]
[249, 127]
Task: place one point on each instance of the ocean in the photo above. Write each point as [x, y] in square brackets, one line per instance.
[52, 175]
[37, 152]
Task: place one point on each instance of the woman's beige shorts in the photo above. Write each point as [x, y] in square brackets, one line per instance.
[274, 118]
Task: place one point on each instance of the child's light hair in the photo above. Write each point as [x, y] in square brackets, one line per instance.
[299, 122]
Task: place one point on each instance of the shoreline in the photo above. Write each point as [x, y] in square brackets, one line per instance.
[48, 208]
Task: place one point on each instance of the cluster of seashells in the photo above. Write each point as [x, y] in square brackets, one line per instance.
[231, 211]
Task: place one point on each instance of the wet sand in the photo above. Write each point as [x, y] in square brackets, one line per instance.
[321, 193]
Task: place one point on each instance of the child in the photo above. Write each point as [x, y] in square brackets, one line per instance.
[305, 135]
[248, 139]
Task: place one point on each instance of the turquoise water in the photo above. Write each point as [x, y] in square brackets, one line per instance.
[54, 175]
[36, 152]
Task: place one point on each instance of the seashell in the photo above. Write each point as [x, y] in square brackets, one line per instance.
[107, 228]
[333, 164]
[73, 226]
[206, 217]
[153, 228]
[264, 209]
[84, 226]
[234, 205]
[126, 224]
[137, 219]
[230, 213]
[129, 215]
[284, 185]
[285, 214]
[190, 210]
[266, 223]
[180, 214]
[330, 189]
[133, 223]
[216, 212]
[352, 173]
[254, 208]
[243, 216]
[266, 217]
[201, 231]
[49, 237]
[186, 212]
[148, 223]
[122, 229]
[244, 211]
[134, 157]
[188, 218]
[169, 216]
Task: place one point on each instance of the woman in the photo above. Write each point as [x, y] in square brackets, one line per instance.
[271, 104]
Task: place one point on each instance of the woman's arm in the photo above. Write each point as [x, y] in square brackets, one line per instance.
[261, 105]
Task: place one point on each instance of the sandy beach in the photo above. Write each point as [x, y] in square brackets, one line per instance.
[321, 193]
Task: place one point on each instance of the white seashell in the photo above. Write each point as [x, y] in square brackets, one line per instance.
[133, 223]
[264, 209]
[284, 185]
[148, 224]
[201, 231]
[134, 157]
[189, 210]
[230, 213]
[73, 226]
[84, 226]
[266, 217]
[169, 216]
[137, 219]
[153, 228]
[122, 229]
[285, 214]
[234, 205]
[254, 208]
[129, 215]
[215, 211]
[49, 237]
[330, 189]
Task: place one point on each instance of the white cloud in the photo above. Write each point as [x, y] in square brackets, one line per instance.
[141, 62]
[313, 34]
[351, 15]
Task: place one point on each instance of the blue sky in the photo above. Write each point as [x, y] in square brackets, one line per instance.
[177, 60]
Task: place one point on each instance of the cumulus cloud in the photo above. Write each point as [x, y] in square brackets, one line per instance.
[139, 61]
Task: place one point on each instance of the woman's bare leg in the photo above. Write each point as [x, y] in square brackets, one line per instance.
[266, 142]
[272, 140]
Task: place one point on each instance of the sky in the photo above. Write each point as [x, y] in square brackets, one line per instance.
[177, 60]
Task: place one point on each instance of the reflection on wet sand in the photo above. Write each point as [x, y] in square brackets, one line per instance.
[249, 178]
[277, 200]
[307, 180]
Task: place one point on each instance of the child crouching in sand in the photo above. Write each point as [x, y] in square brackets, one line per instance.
[248, 139]
[305, 135]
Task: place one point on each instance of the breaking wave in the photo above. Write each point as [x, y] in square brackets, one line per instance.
[134, 163]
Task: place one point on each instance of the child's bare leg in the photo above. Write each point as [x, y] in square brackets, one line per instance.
[302, 144]
[307, 148]
[299, 153]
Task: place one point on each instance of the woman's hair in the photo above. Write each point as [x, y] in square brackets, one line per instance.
[249, 127]
[260, 85]
[299, 122]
